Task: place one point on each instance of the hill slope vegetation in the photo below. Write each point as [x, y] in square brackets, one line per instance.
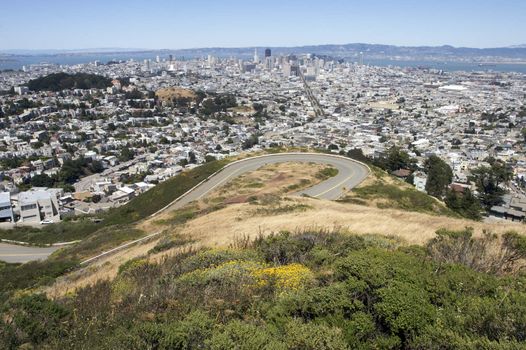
[62, 81]
[313, 290]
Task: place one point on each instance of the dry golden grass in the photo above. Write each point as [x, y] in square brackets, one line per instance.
[167, 94]
[221, 227]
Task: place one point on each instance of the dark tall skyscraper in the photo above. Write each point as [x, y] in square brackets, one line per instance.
[267, 53]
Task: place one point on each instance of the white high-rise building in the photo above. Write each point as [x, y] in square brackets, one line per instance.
[256, 57]
[211, 60]
[269, 64]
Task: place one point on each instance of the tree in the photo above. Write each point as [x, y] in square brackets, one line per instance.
[465, 204]
[126, 154]
[62, 81]
[42, 180]
[192, 158]
[357, 154]
[395, 159]
[489, 180]
[70, 172]
[251, 141]
[209, 158]
[37, 145]
[96, 167]
[439, 176]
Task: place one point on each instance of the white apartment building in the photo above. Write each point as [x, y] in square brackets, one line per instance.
[36, 206]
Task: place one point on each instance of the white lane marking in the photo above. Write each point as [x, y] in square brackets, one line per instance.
[332, 188]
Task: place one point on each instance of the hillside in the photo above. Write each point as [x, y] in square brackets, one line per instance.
[254, 267]
[315, 289]
[63, 81]
[175, 94]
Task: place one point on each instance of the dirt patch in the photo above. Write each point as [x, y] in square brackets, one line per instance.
[236, 200]
[280, 177]
[167, 94]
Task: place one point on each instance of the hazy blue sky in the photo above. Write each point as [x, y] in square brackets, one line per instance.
[72, 24]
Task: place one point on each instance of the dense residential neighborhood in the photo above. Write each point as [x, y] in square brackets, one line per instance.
[85, 138]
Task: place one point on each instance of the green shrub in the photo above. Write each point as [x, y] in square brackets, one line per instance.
[402, 198]
[34, 318]
[32, 274]
[213, 257]
[404, 308]
[284, 248]
[189, 333]
[333, 300]
[168, 243]
[282, 209]
[309, 336]
[361, 292]
[244, 336]
[104, 239]
[326, 173]
[65, 231]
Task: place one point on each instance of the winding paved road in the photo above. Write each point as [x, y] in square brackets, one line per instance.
[20, 254]
[350, 174]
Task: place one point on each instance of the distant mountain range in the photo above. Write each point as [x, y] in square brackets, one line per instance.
[445, 52]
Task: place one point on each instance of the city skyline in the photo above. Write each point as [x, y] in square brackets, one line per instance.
[174, 25]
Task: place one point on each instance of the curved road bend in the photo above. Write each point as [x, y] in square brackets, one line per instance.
[21, 254]
[350, 174]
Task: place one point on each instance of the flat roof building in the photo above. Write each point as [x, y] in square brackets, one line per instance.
[6, 210]
[36, 206]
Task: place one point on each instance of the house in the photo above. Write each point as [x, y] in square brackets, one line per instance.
[111, 160]
[513, 208]
[104, 187]
[420, 180]
[6, 210]
[36, 206]
[142, 187]
[458, 188]
[123, 195]
[401, 173]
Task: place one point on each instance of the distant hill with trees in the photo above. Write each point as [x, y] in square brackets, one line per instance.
[63, 81]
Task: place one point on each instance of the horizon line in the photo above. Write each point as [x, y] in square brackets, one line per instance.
[116, 49]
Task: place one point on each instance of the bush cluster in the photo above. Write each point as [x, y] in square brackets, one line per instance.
[309, 290]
